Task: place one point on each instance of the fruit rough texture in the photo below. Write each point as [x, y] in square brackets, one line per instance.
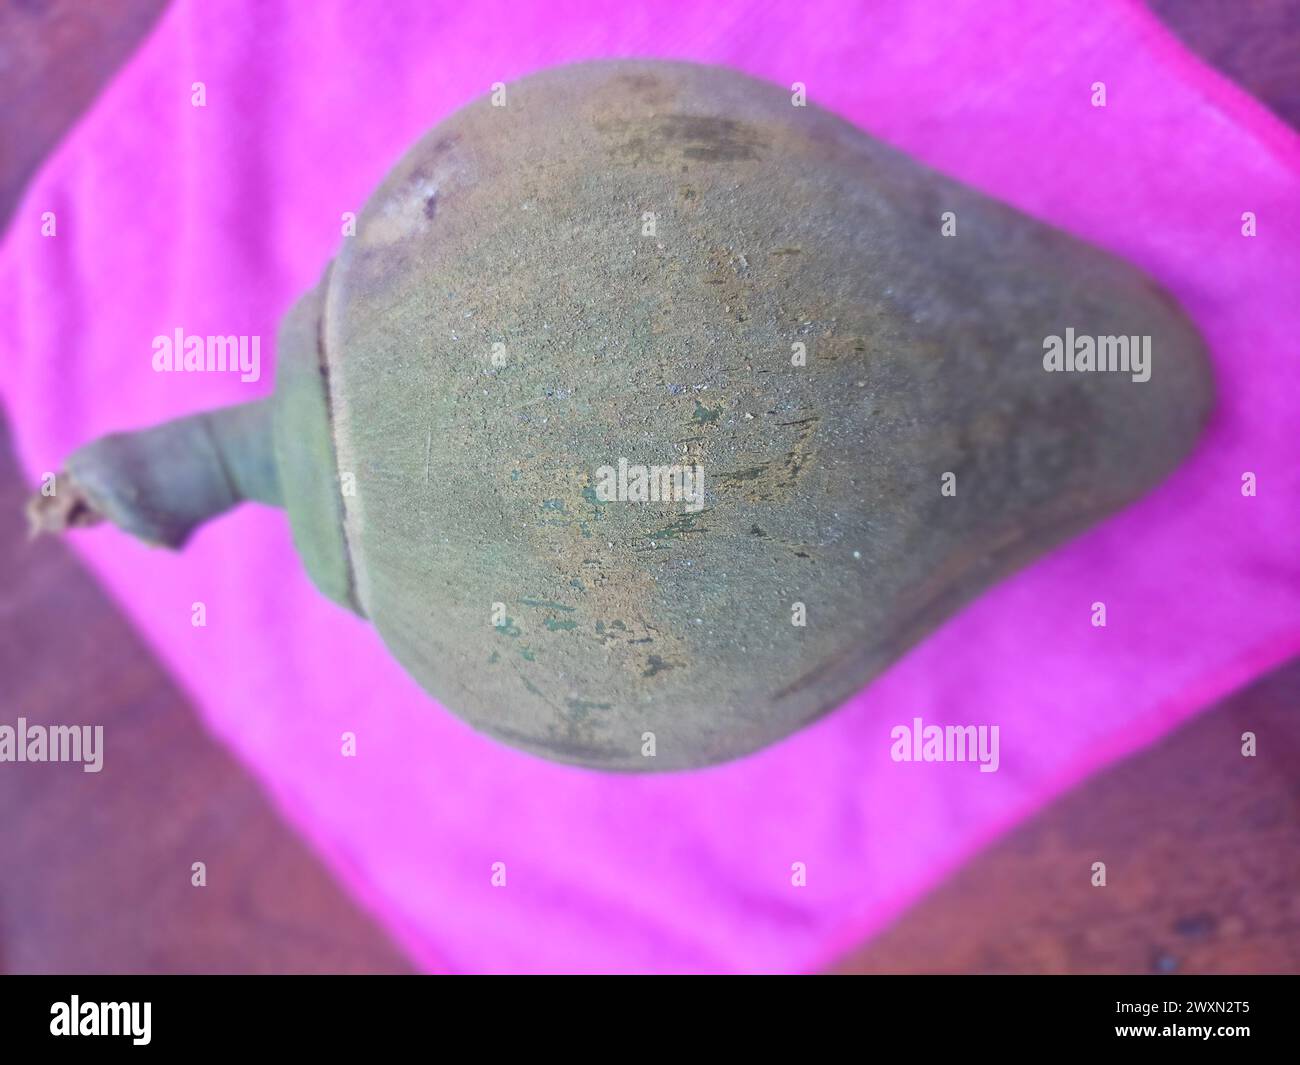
[524, 226]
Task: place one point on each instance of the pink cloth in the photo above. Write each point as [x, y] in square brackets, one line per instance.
[215, 219]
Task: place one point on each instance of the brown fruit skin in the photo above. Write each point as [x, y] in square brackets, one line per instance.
[522, 226]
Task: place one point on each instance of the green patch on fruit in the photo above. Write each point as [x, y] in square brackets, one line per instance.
[683, 526]
[705, 414]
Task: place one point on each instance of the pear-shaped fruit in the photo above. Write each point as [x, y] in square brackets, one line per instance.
[832, 373]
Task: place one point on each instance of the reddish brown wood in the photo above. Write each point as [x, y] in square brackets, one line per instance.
[1202, 857]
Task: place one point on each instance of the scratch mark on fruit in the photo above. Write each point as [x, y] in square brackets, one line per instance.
[547, 604]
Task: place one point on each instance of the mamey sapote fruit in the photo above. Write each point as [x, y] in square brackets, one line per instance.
[664, 263]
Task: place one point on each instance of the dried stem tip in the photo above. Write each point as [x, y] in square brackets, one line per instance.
[67, 508]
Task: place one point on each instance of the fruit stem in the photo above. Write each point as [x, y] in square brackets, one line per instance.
[160, 484]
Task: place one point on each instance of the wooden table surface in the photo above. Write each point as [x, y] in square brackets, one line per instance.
[1202, 845]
